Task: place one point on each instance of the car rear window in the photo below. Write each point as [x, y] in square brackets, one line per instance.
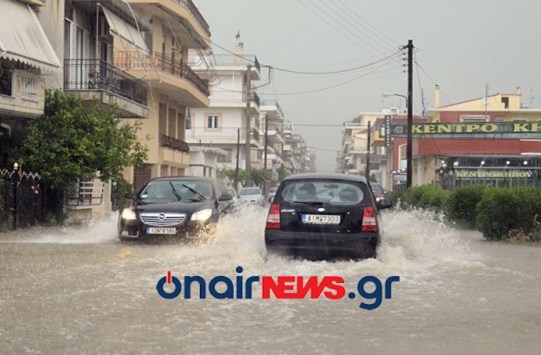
[324, 191]
[254, 191]
[377, 190]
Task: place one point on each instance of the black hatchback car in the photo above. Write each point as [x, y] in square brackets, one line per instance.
[173, 206]
[324, 214]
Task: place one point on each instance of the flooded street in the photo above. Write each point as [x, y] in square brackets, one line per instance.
[79, 290]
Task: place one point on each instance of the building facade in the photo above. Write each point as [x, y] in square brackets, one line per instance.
[233, 115]
[27, 57]
[176, 27]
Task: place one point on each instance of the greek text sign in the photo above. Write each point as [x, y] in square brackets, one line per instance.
[493, 173]
[512, 129]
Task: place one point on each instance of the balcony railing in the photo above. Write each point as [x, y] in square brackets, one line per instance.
[95, 74]
[173, 143]
[256, 99]
[255, 134]
[231, 59]
[162, 62]
[193, 9]
[273, 103]
[6, 82]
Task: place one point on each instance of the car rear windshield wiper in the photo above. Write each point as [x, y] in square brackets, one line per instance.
[310, 203]
[175, 191]
[195, 192]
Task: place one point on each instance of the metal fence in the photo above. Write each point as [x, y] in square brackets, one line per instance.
[23, 200]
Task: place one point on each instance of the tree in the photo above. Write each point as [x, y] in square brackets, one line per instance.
[72, 142]
[230, 174]
[259, 176]
[282, 172]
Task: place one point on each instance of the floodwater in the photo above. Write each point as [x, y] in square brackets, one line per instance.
[79, 290]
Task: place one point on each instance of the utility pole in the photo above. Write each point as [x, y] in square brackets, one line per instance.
[409, 148]
[367, 174]
[266, 192]
[248, 133]
[266, 140]
[237, 165]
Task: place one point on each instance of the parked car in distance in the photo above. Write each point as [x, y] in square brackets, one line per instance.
[231, 191]
[324, 214]
[251, 194]
[272, 192]
[379, 194]
[173, 206]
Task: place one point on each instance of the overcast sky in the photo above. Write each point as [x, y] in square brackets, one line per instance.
[462, 45]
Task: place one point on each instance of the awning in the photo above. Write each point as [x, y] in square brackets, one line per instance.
[22, 38]
[125, 30]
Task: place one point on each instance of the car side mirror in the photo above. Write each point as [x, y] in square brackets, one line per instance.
[225, 197]
[383, 204]
[131, 196]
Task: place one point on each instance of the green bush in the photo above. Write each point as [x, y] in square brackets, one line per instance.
[424, 196]
[502, 210]
[461, 203]
[394, 196]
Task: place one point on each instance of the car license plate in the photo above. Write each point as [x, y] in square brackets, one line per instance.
[161, 230]
[320, 219]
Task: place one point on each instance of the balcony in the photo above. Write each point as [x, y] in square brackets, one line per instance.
[192, 21]
[174, 144]
[173, 151]
[195, 12]
[256, 99]
[150, 68]
[97, 81]
[232, 62]
[22, 93]
[272, 105]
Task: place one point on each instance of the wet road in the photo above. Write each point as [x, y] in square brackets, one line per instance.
[78, 290]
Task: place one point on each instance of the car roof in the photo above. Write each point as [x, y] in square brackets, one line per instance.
[315, 176]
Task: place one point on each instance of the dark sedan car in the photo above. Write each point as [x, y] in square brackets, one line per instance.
[324, 214]
[173, 206]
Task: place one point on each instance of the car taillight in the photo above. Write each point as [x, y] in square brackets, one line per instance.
[273, 219]
[369, 220]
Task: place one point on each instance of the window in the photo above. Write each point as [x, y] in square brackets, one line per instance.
[332, 192]
[188, 123]
[505, 102]
[213, 121]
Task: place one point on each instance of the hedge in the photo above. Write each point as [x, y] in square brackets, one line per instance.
[461, 204]
[498, 213]
[503, 210]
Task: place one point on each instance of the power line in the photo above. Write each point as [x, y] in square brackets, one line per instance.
[338, 11]
[342, 24]
[309, 72]
[355, 15]
[320, 89]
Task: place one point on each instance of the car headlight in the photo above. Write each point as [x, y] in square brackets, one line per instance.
[202, 215]
[379, 199]
[128, 214]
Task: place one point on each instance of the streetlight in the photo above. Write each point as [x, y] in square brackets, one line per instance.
[386, 94]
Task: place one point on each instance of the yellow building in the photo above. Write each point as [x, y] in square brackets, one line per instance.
[177, 26]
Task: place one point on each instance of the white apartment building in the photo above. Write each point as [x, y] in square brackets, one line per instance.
[231, 116]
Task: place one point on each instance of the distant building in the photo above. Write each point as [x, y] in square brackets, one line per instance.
[225, 121]
[494, 159]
